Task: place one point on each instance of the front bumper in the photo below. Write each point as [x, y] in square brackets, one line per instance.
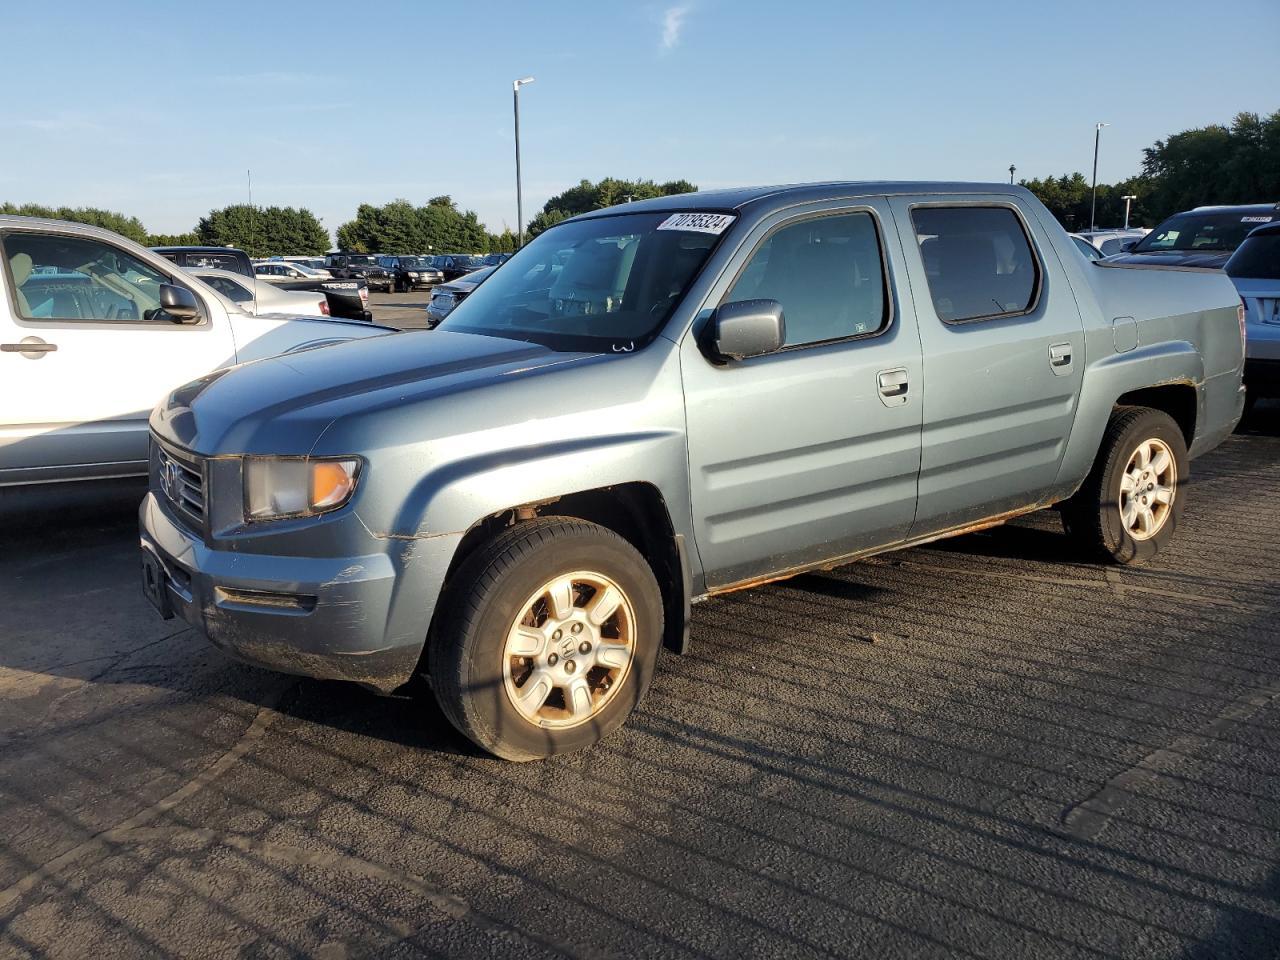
[341, 618]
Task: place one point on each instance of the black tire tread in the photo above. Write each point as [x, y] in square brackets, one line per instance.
[1082, 515]
[475, 578]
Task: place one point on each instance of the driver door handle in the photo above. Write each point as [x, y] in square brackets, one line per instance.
[33, 348]
[893, 386]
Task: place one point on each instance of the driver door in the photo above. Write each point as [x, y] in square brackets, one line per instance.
[78, 408]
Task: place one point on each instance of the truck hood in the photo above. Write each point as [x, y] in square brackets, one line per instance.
[1212, 259]
[282, 405]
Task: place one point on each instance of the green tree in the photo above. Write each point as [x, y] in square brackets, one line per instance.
[504, 242]
[399, 227]
[126, 226]
[545, 220]
[172, 239]
[1216, 164]
[264, 231]
[606, 193]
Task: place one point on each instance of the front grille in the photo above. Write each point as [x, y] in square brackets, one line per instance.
[180, 476]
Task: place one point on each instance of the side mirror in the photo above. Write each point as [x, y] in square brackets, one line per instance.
[1127, 245]
[748, 328]
[179, 303]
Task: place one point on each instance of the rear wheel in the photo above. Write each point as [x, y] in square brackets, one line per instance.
[549, 640]
[1129, 507]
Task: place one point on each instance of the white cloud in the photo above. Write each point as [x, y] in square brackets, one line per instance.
[672, 23]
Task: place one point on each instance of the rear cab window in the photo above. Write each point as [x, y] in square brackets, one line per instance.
[978, 261]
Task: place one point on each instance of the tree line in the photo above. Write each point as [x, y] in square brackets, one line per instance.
[1218, 164]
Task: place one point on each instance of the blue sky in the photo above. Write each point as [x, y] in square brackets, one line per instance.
[157, 109]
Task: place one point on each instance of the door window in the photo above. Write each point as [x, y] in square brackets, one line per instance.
[828, 275]
[57, 277]
[978, 261]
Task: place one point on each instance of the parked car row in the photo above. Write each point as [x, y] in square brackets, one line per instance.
[405, 272]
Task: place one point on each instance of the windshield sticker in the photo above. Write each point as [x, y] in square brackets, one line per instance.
[715, 223]
[1242, 220]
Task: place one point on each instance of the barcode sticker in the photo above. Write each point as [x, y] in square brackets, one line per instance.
[715, 223]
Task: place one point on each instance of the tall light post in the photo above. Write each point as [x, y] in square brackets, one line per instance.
[1127, 200]
[1012, 168]
[1093, 202]
[515, 93]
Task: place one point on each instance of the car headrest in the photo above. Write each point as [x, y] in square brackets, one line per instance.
[20, 265]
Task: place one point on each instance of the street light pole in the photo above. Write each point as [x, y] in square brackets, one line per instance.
[515, 93]
[1093, 202]
[1127, 200]
[1012, 168]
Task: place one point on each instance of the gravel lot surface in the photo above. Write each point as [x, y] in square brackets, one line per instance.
[983, 748]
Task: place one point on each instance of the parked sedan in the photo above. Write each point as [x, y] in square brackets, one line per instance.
[1255, 269]
[449, 295]
[264, 298]
[277, 271]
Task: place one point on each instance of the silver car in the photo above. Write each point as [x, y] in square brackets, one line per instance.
[655, 404]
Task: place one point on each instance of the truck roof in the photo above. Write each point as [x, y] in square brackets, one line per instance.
[1238, 207]
[786, 195]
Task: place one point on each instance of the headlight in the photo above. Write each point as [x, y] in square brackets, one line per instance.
[277, 487]
[412, 274]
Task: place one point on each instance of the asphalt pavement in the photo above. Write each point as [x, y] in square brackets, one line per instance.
[408, 311]
[982, 748]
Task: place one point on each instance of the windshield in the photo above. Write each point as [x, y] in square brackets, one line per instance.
[1189, 232]
[1257, 259]
[362, 261]
[603, 284]
[414, 263]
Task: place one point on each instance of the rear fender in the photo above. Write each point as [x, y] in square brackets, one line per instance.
[1157, 365]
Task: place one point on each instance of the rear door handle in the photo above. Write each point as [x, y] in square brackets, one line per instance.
[1060, 354]
[33, 348]
[893, 386]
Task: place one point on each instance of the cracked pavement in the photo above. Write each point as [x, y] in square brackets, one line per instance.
[981, 748]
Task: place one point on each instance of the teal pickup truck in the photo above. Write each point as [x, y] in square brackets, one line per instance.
[659, 402]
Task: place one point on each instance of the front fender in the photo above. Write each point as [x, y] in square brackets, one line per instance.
[452, 498]
[1157, 365]
[456, 495]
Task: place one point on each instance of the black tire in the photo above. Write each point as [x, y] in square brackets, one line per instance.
[1093, 517]
[490, 590]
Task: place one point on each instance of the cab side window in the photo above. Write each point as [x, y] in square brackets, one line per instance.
[978, 261]
[56, 277]
[828, 275]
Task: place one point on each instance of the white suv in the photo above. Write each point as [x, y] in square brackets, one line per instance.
[95, 331]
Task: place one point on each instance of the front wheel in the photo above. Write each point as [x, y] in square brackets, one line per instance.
[1131, 504]
[549, 639]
